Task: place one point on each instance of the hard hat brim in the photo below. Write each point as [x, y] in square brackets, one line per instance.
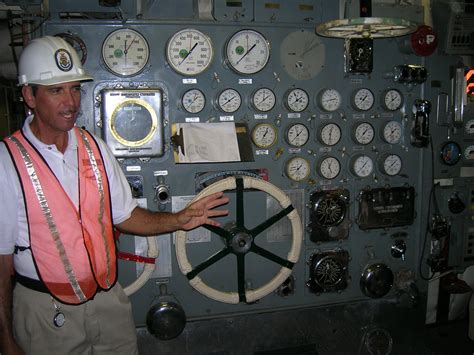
[58, 80]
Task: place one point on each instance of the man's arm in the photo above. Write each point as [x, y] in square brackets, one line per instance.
[8, 344]
[144, 222]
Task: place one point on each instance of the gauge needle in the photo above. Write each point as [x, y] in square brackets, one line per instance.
[246, 54]
[187, 55]
[229, 100]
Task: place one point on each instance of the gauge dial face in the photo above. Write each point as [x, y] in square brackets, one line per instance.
[329, 100]
[328, 272]
[329, 168]
[264, 135]
[470, 127]
[189, 52]
[392, 132]
[363, 133]
[247, 52]
[193, 101]
[297, 168]
[362, 166]
[392, 100]
[296, 100]
[125, 52]
[391, 164]
[363, 99]
[302, 55]
[469, 153]
[229, 100]
[450, 153]
[297, 135]
[330, 211]
[263, 99]
[330, 134]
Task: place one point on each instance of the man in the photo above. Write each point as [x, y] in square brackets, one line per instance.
[62, 192]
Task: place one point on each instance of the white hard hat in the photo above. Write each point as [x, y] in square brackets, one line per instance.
[49, 61]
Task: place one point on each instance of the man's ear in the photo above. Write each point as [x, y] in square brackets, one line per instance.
[28, 96]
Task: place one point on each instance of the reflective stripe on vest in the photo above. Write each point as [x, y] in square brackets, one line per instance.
[74, 258]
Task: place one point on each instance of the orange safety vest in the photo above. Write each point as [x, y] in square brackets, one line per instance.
[73, 250]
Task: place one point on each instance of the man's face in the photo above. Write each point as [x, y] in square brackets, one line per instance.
[55, 106]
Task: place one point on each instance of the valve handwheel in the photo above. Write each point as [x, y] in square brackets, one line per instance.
[241, 241]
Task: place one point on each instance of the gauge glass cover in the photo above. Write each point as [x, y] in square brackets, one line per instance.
[229, 100]
[362, 166]
[297, 100]
[297, 169]
[392, 100]
[330, 134]
[193, 101]
[363, 99]
[297, 135]
[329, 100]
[263, 99]
[450, 153]
[392, 165]
[392, 132]
[247, 52]
[364, 133]
[329, 168]
[264, 135]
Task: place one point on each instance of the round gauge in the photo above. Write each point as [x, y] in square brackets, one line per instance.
[297, 135]
[450, 153]
[297, 168]
[189, 52]
[193, 101]
[469, 153]
[296, 100]
[363, 99]
[133, 122]
[302, 54]
[247, 52]
[263, 99]
[362, 165]
[392, 99]
[229, 100]
[470, 127]
[329, 168]
[328, 272]
[77, 43]
[391, 164]
[330, 211]
[363, 133]
[125, 52]
[392, 132]
[264, 135]
[329, 100]
[330, 134]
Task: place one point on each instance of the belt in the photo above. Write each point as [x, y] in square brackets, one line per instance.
[32, 284]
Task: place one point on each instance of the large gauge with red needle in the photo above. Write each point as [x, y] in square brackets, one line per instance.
[125, 52]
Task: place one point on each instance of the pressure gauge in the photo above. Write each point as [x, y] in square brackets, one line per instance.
[392, 99]
[263, 99]
[392, 132]
[330, 134]
[469, 153]
[297, 135]
[296, 100]
[125, 52]
[362, 165]
[229, 100]
[470, 127]
[390, 164]
[363, 99]
[329, 168]
[329, 100]
[450, 153]
[297, 168]
[264, 135]
[193, 101]
[189, 52]
[247, 52]
[363, 133]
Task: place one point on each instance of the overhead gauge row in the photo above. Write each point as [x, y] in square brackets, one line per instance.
[298, 168]
[189, 52]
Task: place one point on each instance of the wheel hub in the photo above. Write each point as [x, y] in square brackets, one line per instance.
[241, 242]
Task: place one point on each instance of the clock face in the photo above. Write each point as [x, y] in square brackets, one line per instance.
[297, 100]
[363, 99]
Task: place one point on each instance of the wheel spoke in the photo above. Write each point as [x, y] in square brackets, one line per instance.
[204, 265]
[241, 276]
[221, 232]
[240, 202]
[272, 220]
[270, 256]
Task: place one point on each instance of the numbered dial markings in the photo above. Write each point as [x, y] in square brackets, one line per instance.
[362, 165]
[264, 135]
[229, 101]
[392, 132]
[330, 134]
[263, 99]
[297, 169]
[391, 164]
[247, 52]
[392, 100]
[193, 101]
[329, 100]
[363, 99]
[125, 52]
[189, 52]
[363, 133]
[296, 100]
[329, 168]
[297, 135]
